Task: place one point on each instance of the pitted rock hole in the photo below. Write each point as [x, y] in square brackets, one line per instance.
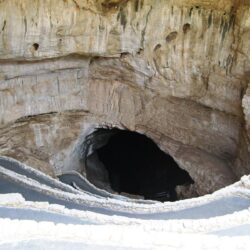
[35, 46]
[131, 163]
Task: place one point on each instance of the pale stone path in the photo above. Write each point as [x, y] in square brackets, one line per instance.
[53, 215]
[223, 206]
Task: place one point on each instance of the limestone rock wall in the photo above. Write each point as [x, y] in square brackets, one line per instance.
[177, 71]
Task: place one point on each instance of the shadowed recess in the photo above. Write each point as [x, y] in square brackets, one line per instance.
[135, 165]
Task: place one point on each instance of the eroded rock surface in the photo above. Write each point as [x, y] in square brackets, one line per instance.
[176, 71]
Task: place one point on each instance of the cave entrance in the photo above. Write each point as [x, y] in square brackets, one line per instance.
[132, 163]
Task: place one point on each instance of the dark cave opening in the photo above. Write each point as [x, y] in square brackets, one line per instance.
[135, 165]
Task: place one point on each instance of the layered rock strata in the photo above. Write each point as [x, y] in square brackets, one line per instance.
[177, 71]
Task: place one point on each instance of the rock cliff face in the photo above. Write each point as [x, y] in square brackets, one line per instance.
[177, 71]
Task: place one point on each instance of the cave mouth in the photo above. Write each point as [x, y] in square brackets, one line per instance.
[131, 163]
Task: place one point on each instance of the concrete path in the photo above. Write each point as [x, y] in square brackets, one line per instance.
[223, 206]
